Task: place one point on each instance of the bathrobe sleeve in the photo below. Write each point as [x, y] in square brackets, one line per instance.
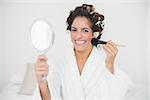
[120, 84]
[54, 82]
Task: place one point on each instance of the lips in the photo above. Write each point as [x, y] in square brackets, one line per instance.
[80, 42]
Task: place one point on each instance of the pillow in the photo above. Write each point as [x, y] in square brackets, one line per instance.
[18, 77]
[29, 82]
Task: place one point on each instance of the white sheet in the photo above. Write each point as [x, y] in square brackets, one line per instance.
[11, 93]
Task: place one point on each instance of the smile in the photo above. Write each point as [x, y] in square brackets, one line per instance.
[80, 42]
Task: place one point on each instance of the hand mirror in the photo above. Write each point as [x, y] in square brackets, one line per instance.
[42, 36]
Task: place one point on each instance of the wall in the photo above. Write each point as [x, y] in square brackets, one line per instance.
[0, 52]
[125, 23]
[148, 51]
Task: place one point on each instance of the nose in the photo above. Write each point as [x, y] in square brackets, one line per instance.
[79, 34]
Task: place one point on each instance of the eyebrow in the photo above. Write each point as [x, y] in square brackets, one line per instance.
[82, 28]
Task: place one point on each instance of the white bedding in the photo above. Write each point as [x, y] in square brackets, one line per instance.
[14, 89]
[11, 93]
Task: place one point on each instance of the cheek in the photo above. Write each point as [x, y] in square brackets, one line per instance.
[72, 36]
[88, 36]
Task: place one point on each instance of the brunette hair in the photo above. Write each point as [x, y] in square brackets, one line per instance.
[89, 12]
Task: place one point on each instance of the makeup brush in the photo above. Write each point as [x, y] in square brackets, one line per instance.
[96, 42]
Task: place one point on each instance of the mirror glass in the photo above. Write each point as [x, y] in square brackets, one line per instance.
[42, 35]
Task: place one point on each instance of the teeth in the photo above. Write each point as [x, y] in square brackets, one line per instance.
[80, 42]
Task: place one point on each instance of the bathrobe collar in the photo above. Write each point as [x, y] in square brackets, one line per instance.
[90, 74]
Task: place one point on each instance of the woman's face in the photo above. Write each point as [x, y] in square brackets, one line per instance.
[81, 34]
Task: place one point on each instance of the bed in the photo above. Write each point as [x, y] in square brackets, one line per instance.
[21, 87]
[11, 93]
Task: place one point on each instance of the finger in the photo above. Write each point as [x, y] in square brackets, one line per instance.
[42, 69]
[107, 50]
[113, 44]
[41, 58]
[112, 48]
[42, 65]
[42, 73]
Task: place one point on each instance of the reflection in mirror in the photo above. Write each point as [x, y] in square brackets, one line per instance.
[42, 35]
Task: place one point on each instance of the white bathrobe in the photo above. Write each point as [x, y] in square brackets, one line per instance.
[95, 82]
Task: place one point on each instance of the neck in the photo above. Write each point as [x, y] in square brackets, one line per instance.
[82, 54]
[81, 58]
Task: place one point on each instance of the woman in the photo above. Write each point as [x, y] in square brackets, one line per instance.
[86, 73]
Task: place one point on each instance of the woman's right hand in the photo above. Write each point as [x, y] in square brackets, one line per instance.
[41, 68]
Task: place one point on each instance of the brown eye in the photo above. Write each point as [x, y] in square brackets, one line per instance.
[85, 30]
[73, 30]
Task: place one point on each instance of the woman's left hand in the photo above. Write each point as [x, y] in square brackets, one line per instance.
[111, 51]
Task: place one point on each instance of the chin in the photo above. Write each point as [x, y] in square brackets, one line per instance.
[80, 49]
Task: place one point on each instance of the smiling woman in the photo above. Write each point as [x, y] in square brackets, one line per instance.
[81, 34]
[125, 23]
[85, 73]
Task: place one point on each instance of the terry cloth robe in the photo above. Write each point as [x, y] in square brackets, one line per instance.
[95, 82]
